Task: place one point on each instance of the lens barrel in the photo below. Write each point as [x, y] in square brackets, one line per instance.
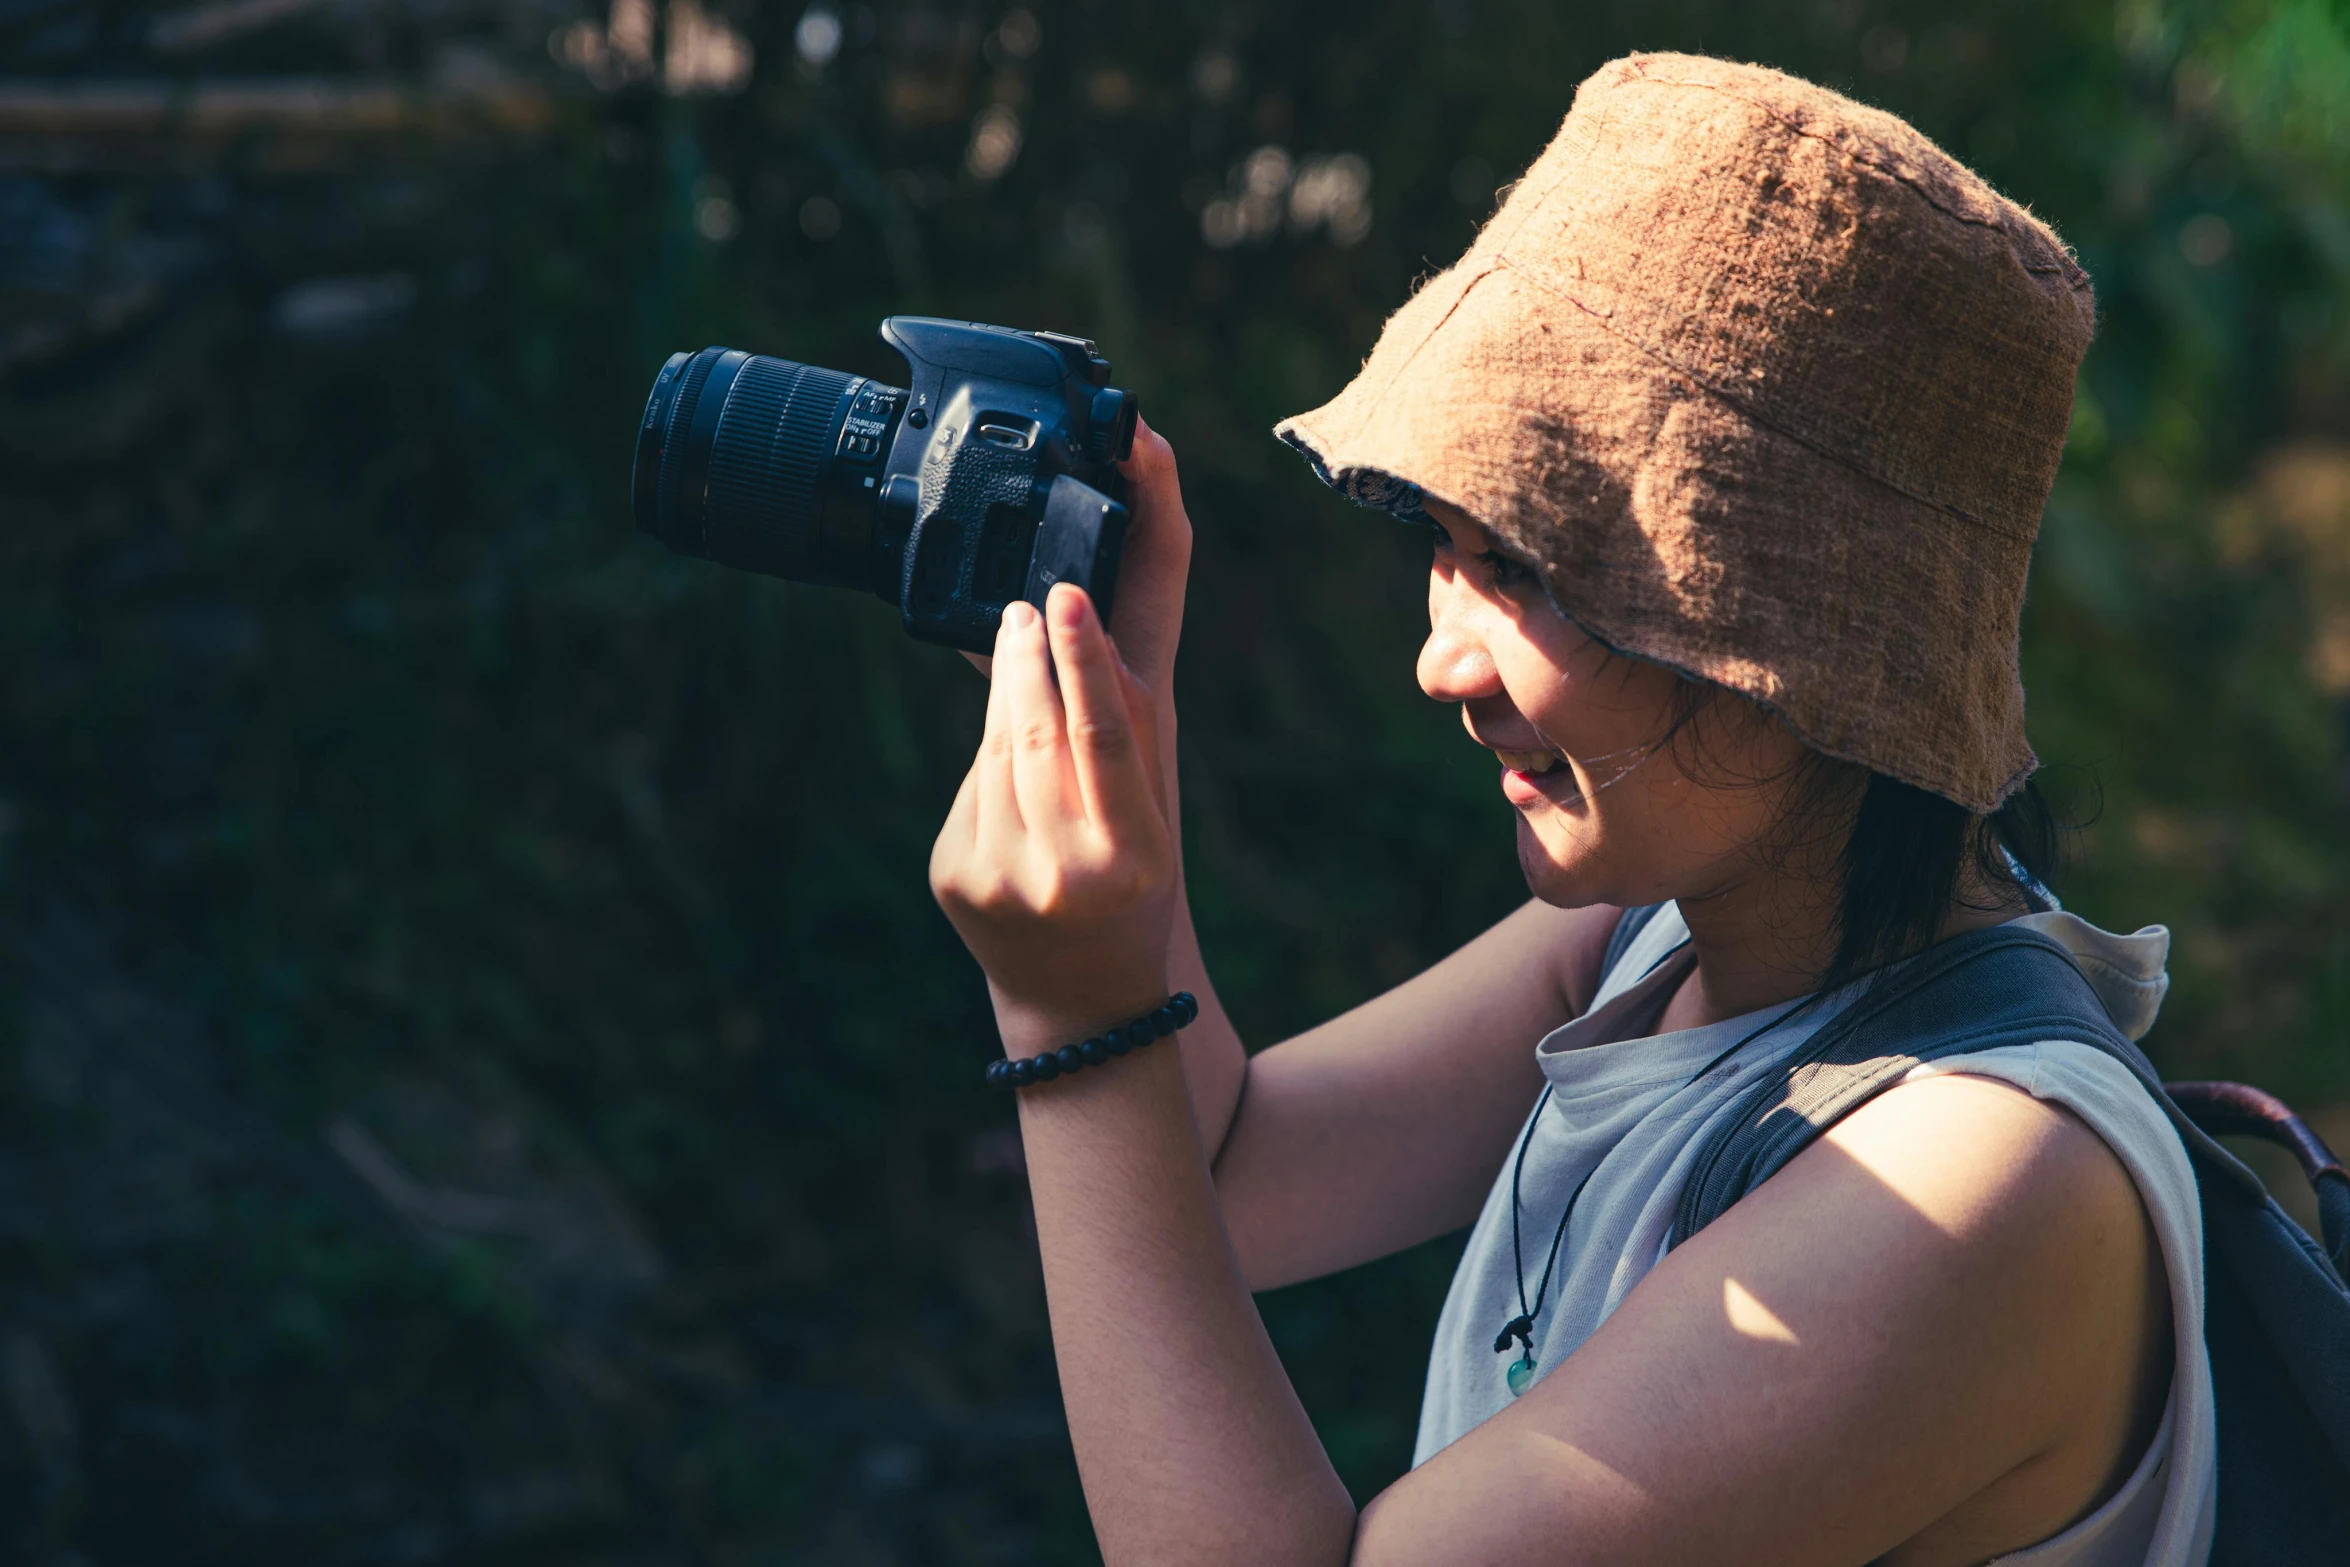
[763, 464]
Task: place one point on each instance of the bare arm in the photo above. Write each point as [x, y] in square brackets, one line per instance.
[1385, 1126]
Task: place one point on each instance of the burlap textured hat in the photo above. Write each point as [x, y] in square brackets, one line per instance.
[1771, 387]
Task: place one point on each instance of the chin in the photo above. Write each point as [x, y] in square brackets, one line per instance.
[1560, 874]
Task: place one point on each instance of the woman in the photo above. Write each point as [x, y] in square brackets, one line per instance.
[1732, 431]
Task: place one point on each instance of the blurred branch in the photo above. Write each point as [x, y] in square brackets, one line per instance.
[287, 124]
[89, 319]
[200, 27]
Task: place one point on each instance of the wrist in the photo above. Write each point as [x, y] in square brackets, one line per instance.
[1164, 1021]
[1030, 1024]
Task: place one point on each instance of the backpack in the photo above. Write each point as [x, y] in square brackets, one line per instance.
[2277, 1310]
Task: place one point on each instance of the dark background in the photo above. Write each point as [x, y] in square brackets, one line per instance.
[481, 1076]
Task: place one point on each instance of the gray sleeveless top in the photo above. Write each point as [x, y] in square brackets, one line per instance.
[1625, 1118]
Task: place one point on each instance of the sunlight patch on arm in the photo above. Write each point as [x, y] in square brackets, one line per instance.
[1750, 1318]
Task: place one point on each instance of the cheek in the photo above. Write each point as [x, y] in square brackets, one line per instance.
[1570, 707]
[1634, 836]
[1619, 848]
[1591, 704]
[1536, 678]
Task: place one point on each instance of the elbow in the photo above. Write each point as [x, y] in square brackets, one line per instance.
[1218, 1136]
[1328, 1536]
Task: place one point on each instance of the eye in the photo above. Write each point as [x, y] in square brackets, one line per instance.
[1507, 571]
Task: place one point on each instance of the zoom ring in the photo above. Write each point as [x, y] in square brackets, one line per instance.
[770, 451]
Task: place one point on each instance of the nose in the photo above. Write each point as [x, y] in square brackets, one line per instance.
[1455, 665]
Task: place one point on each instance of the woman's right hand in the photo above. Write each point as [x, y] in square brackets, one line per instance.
[1146, 616]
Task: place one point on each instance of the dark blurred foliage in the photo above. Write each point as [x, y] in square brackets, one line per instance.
[485, 1079]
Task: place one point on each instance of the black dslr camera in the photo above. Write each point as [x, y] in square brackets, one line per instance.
[987, 478]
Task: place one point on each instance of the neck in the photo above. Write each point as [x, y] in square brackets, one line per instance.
[1764, 939]
[1758, 942]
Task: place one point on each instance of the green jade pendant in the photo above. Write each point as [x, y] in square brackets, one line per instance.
[1521, 1370]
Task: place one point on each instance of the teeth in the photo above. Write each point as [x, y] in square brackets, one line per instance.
[1528, 761]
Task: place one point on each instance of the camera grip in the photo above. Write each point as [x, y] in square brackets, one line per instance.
[1079, 540]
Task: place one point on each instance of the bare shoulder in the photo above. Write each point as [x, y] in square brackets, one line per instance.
[2001, 1231]
[2020, 1230]
[1981, 1158]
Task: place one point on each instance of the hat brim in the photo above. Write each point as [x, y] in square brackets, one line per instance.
[1676, 528]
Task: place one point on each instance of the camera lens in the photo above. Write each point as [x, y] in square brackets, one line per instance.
[764, 464]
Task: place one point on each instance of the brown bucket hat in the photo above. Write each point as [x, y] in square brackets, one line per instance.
[1771, 387]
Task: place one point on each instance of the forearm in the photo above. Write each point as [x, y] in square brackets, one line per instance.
[1340, 1152]
[1059, 866]
[1190, 1440]
[1215, 1062]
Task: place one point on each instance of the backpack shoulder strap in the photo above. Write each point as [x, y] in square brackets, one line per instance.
[1989, 988]
[1981, 991]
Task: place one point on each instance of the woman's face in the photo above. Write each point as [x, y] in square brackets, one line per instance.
[1606, 813]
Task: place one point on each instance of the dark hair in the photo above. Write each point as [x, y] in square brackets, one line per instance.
[1903, 860]
[1904, 853]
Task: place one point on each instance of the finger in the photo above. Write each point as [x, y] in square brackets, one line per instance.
[1148, 617]
[982, 663]
[1144, 711]
[1112, 767]
[1040, 744]
[997, 800]
[1150, 462]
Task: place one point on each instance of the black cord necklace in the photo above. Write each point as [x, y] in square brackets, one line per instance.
[1520, 1328]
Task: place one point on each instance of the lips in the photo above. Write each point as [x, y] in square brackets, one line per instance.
[1531, 778]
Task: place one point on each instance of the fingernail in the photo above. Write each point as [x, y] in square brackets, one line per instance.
[1020, 614]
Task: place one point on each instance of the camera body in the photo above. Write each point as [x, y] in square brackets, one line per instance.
[987, 478]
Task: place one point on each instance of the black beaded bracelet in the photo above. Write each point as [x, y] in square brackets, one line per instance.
[1178, 1011]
